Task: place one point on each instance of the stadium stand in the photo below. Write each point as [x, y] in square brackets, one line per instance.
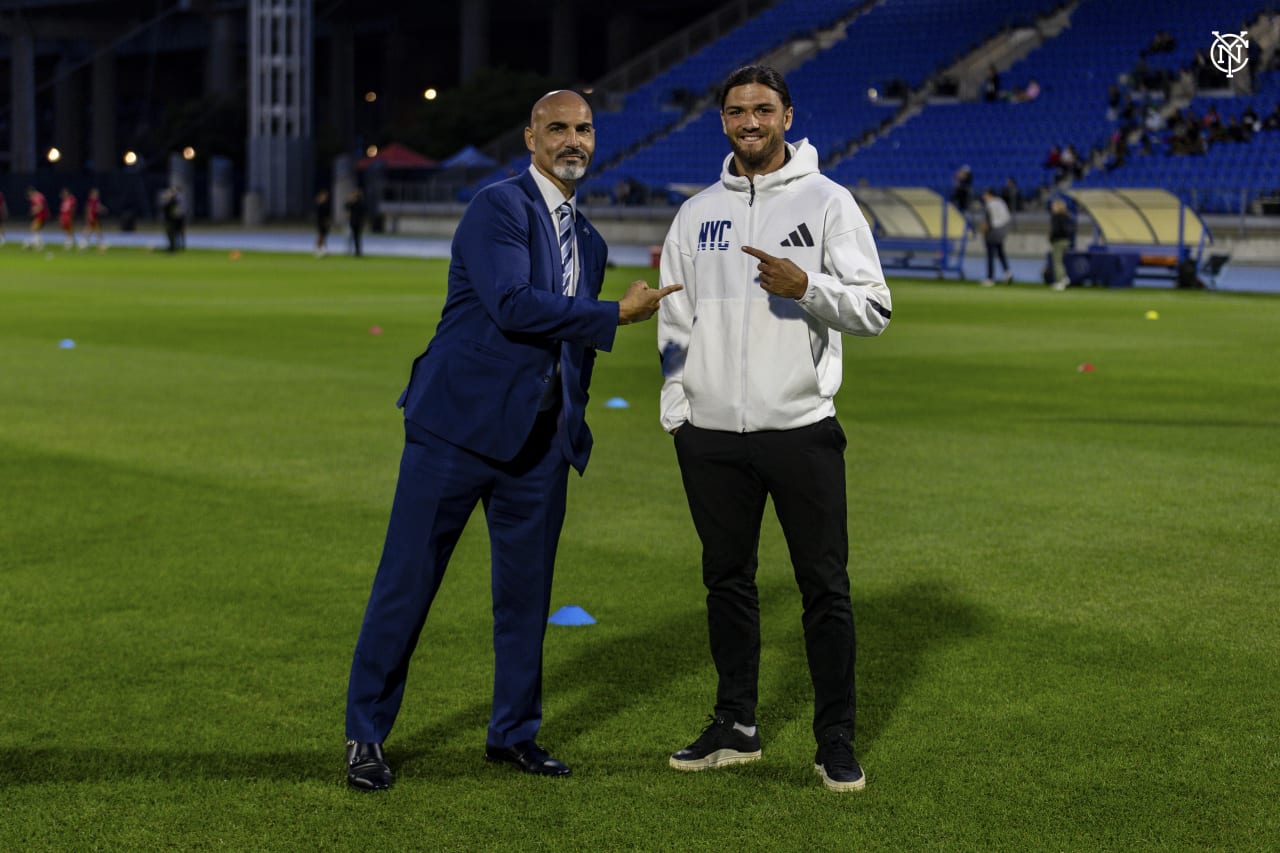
[867, 97]
[1074, 70]
[891, 45]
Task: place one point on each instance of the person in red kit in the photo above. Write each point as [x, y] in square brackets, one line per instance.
[67, 217]
[94, 210]
[39, 215]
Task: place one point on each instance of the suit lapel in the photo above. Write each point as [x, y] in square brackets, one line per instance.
[543, 217]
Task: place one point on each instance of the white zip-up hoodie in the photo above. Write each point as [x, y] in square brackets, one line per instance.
[734, 356]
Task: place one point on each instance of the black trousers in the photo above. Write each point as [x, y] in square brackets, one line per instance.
[994, 251]
[727, 477]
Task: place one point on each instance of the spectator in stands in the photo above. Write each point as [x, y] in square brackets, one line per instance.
[1119, 152]
[629, 192]
[1190, 140]
[1250, 118]
[1154, 121]
[1029, 93]
[1162, 42]
[1238, 131]
[1211, 118]
[1272, 121]
[995, 228]
[1218, 133]
[1062, 233]
[1199, 63]
[1114, 99]
[1206, 74]
[1053, 159]
[991, 86]
[1139, 74]
[1069, 165]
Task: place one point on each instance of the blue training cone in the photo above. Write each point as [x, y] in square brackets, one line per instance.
[571, 614]
[67, 343]
[616, 403]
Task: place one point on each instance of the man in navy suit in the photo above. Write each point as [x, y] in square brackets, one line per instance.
[494, 415]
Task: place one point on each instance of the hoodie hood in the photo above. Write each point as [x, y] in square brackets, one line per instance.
[802, 159]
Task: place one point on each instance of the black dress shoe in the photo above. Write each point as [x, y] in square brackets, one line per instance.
[367, 769]
[527, 756]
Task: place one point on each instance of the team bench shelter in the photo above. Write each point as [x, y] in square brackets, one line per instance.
[915, 229]
[1139, 234]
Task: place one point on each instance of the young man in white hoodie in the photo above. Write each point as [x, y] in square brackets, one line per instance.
[777, 263]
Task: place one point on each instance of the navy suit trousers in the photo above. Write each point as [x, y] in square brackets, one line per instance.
[438, 488]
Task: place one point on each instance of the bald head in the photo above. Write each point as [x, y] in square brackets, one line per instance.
[561, 138]
[560, 97]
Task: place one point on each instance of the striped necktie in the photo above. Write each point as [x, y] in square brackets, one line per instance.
[566, 247]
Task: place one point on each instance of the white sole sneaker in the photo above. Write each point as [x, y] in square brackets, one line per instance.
[834, 785]
[719, 758]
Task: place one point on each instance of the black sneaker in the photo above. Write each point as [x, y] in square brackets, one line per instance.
[719, 744]
[837, 765]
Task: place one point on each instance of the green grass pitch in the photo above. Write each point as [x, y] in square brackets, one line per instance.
[1065, 582]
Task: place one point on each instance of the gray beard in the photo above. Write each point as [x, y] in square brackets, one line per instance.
[566, 172]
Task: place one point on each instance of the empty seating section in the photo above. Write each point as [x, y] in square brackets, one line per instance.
[907, 40]
[901, 42]
[701, 72]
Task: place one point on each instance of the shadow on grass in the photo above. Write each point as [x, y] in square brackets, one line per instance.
[897, 631]
[606, 675]
[602, 676]
[590, 678]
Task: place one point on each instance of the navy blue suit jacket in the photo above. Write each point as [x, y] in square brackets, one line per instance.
[505, 323]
